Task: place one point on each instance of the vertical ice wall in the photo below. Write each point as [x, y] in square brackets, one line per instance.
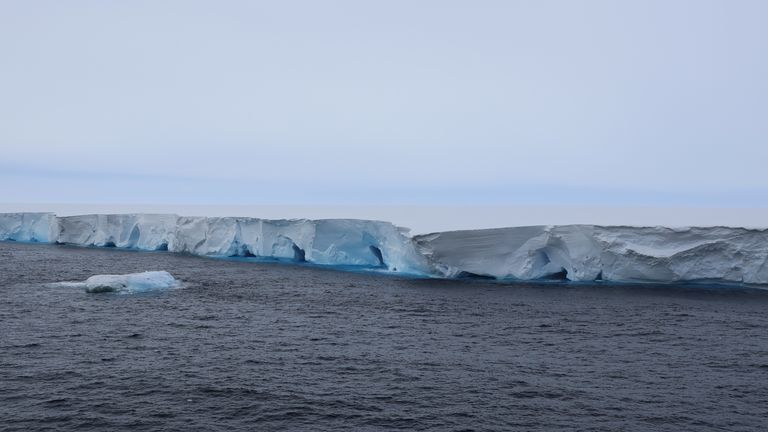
[336, 242]
[28, 227]
[569, 252]
[591, 253]
[138, 231]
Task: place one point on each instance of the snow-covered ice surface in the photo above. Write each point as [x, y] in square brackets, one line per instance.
[126, 283]
[608, 253]
[583, 253]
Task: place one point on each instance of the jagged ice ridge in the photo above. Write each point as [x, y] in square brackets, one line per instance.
[570, 252]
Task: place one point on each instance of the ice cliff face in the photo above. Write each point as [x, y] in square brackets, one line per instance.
[143, 231]
[337, 242]
[28, 227]
[611, 253]
[570, 252]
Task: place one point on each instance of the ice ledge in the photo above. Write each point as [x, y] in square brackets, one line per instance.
[602, 253]
[581, 253]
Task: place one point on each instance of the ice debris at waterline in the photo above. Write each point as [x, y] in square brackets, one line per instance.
[126, 283]
[582, 253]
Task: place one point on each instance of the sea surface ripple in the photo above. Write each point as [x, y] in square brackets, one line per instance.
[258, 346]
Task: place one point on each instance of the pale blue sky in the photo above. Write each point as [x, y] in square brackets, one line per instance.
[451, 102]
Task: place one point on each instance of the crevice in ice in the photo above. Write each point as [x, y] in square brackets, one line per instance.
[245, 251]
[133, 239]
[469, 275]
[562, 275]
[199, 244]
[110, 244]
[543, 258]
[377, 253]
[162, 247]
[599, 276]
[299, 255]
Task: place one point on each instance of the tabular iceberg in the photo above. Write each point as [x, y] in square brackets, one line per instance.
[609, 253]
[568, 252]
[333, 242]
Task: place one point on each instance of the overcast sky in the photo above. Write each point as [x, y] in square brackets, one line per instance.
[496, 102]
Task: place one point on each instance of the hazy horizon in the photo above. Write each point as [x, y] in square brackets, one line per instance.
[494, 103]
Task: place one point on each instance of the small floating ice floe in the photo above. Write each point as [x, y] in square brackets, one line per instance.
[127, 283]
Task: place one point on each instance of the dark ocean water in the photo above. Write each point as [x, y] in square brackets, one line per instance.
[250, 346]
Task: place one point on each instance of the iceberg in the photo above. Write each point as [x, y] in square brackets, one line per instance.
[579, 253]
[329, 242]
[28, 227]
[587, 253]
[126, 283]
